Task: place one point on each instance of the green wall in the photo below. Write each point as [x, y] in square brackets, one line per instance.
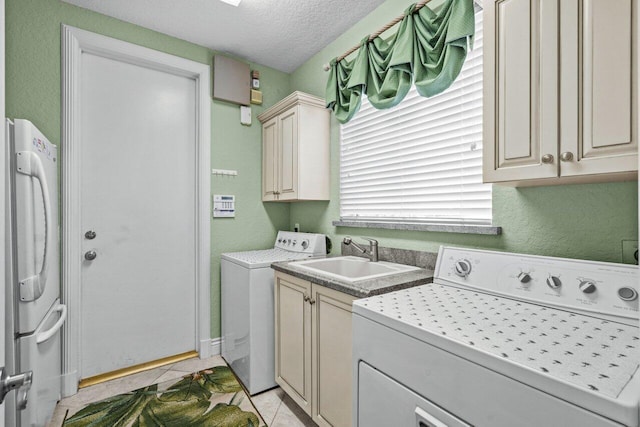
[33, 92]
[582, 221]
[576, 221]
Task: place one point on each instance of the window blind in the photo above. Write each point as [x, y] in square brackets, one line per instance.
[422, 160]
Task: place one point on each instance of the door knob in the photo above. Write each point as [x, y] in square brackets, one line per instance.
[90, 234]
[12, 382]
[90, 255]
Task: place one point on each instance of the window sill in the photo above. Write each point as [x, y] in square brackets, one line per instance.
[438, 228]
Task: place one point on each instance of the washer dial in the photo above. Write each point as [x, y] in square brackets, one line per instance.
[587, 286]
[554, 282]
[462, 267]
[524, 278]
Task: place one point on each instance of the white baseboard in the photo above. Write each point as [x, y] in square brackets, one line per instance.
[210, 347]
[216, 346]
[69, 384]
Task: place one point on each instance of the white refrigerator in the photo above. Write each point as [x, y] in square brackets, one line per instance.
[34, 313]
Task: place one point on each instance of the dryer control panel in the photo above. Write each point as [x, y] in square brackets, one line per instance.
[587, 286]
[310, 243]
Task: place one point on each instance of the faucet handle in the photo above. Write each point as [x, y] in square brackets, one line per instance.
[373, 242]
[373, 248]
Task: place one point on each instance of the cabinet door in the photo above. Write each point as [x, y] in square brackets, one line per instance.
[293, 338]
[599, 86]
[270, 160]
[288, 146]
[331, 338]
[520, 89]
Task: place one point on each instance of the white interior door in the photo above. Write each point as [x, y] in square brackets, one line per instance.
[138, 190]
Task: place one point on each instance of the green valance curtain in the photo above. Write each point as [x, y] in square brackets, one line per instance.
[428, 49]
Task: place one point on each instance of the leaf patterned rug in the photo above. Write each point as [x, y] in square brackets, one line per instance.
[212, 397]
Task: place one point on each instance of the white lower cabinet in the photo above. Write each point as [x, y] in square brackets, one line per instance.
[313, 348]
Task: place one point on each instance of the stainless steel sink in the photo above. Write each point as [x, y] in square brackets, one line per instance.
[353, 269]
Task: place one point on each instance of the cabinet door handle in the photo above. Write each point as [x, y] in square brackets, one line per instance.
[306, 298]
[547, 158]
[312, 301]
[567, 156]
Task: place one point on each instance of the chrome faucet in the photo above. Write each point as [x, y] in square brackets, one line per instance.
[371, 252]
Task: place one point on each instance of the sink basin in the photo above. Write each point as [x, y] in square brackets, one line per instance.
[353, 269]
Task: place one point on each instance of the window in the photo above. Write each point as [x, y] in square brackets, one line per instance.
[420, 162]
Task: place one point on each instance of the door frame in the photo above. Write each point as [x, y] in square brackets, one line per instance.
[4, 279]
[75, 42]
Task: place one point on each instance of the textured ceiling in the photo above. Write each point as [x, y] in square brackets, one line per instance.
[281, 34]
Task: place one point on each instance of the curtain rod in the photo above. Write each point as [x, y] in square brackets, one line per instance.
[419, 6]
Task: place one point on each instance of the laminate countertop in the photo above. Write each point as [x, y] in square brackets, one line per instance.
[361, 288]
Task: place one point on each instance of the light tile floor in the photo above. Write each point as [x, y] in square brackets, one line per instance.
[276, 408]
[279, 410]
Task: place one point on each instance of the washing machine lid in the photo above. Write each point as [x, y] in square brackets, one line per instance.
[263, 258]
[582, 359]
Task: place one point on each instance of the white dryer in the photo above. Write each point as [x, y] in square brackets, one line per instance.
[501, 340]
[247, 306]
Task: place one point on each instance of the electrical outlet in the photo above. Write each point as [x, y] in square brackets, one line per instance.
[630, 251]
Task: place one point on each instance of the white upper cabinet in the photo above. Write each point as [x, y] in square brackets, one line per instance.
[560, 91]
[599, 125]
[269, 159]
[295, 149]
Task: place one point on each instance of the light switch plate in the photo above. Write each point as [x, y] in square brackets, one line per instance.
[630, 251]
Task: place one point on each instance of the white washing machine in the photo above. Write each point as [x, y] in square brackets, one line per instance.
[501, 340]
[247, 306]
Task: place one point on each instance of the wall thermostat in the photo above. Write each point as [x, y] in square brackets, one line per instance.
[224, 206]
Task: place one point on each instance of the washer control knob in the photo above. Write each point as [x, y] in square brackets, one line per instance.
[524, 277]
[587, 286]
[294, 242]
[627, 294]
[305, 244]
[554, 282]
[462, 267]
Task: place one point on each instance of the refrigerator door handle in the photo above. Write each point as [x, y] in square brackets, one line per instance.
[44, 336]
[28, 163]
